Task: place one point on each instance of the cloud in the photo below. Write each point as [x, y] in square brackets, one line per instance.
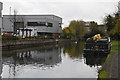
[67, 9]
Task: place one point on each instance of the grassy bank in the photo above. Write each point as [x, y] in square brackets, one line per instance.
[105, 71]
[115, 46]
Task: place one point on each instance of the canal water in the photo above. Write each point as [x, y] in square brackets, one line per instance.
[54, 61]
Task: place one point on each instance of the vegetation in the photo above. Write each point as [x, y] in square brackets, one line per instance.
[115, 46]
[112, 23]
[74, 50]
[94, 30]
[105, 71]
[78, 30]
[75, 30]
[7, 37]
[103, 74]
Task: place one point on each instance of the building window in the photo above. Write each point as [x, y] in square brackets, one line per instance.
[49, 24]
[36, 23]
[60, 24]
[19, 24]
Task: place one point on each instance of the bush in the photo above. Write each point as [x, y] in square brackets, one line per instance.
[7, 37]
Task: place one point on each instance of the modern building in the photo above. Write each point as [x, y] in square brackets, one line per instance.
[1, 7]
[119, 7]
[45, 24]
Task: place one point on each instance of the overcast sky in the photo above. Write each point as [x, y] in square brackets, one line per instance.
[87, 10]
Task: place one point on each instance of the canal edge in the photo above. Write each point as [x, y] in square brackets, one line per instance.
[107, 67]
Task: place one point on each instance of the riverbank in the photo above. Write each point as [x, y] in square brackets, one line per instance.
[17, 44]
[110, 67]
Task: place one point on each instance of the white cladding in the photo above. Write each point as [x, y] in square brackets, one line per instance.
[55, 20]
[27, 32]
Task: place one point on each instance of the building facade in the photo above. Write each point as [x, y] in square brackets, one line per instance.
[119, 7]
[45, 24]
[1, 7]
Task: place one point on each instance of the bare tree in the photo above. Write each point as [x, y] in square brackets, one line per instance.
[13, 19]
[17, 21]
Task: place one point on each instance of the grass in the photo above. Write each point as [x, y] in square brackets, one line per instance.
[103, 74]
[115, 46]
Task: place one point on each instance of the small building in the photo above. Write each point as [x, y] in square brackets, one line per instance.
[100, 27]
[45, 24]
[27, 32]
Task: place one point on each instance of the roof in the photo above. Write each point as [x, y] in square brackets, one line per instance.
[35, 15]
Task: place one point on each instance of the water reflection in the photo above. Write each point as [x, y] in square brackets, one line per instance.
[45, 56]
[92, 59]
[56, 61]
[74, 50]
[0, 62]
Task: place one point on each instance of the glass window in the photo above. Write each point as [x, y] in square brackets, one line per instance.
[32, 23]
[42, 24]
[49, 24]
[60, 24]
[19, 24]
[36, 23]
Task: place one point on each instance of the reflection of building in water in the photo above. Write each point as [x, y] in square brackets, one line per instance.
[45, 57]
[50, 56]
[38, 58]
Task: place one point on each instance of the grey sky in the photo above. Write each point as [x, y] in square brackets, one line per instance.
[87, 10]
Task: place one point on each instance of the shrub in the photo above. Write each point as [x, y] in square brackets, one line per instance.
[7, 37]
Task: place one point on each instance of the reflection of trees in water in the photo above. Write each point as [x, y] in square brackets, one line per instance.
[94, 59]
[74, 50]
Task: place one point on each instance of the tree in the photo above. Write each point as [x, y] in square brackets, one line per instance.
[109, 22]
[67, 32]
[93, 30]
[93, 25]
[77, 28]
[13, 20]
[17, 21]
[115, 32]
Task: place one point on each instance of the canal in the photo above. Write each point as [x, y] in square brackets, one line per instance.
[54, 61]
